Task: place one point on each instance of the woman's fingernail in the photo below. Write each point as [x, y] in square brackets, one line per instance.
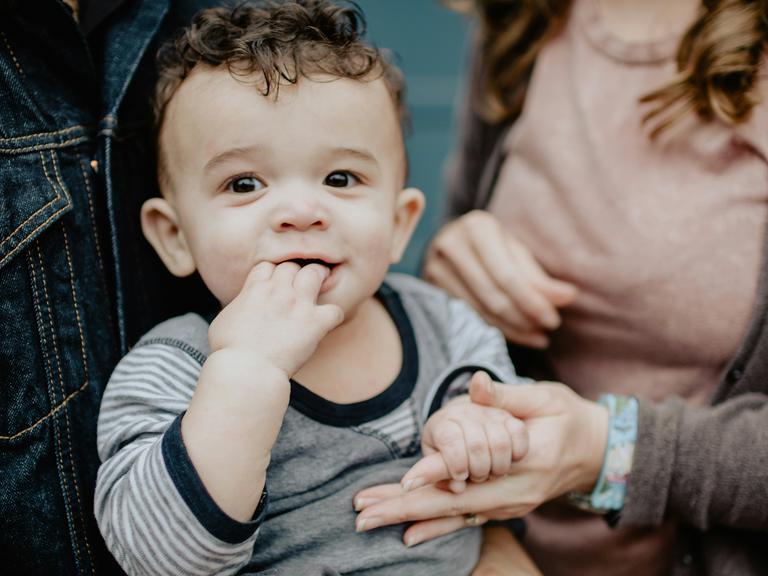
[364, 524]
[361, 503]
[413, 484]
[550, 320]
[412, 540]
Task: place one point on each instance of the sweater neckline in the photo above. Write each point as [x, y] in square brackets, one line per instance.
[590, 21]
[334, 414]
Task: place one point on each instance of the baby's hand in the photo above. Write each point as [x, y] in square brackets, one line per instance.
[465, 441]
[276, 315]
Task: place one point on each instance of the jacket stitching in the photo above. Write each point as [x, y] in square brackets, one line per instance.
[13, 55]
[47, 416]
[92, 214]
[60, 132]
[87, 380]
[62, 388]
[46, 146]
[20, 246]
[96, 238]
[51, 378]
[41, 327]
[36, 212]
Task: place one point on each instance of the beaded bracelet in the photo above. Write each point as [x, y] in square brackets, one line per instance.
[608, 494]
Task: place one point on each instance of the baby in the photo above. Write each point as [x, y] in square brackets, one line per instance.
[235, 443]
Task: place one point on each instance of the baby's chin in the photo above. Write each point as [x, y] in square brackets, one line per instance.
[351, 307]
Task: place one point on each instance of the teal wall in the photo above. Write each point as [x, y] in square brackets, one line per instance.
[429, 43]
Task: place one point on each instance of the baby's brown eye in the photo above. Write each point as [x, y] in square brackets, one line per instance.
[245, 184]
[340, 180]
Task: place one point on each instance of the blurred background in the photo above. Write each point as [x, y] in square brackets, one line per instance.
[429, 43]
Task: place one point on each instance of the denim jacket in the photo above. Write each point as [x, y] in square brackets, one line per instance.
[78, 283]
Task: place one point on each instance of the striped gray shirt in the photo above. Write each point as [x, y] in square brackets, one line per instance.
[158, 519]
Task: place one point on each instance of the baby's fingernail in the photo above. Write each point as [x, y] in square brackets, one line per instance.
[460, 476]
[489, 385]
[413, 484]
[361, 503]
[364, 524]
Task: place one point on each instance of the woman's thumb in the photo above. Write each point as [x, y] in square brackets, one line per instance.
[520, 400]
[482, 390]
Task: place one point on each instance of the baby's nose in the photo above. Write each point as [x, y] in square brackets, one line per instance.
[300, 215]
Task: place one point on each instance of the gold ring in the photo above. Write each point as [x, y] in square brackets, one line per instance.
[471, 520]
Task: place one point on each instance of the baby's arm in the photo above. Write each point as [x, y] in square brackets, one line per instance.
[158, 505]
[465, 441]
[258, 342]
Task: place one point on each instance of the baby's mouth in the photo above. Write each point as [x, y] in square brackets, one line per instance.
[307, 261]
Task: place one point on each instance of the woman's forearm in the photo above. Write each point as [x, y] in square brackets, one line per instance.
[503, 555]
[703, 465]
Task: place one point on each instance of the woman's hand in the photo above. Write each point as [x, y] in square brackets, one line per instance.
[476, 259]
[466, 441]
[567, 436]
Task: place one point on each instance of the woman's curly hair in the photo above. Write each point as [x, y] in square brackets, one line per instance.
[280, 42]
[717, 60]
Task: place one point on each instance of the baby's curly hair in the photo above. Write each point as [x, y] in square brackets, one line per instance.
[279, 41]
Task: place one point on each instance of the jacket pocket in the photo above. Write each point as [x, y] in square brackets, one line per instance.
[35, 306]
[32, 198]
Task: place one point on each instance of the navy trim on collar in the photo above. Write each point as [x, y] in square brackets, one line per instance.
[333, 414]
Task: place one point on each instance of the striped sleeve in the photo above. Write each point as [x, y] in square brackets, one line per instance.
[476, 343]
[151, 506]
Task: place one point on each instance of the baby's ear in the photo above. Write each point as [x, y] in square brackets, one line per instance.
[408, 211]
[159, 222]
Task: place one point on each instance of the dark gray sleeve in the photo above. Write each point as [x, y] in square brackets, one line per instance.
[706, 466]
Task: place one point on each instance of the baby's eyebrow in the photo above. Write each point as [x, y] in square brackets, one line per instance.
[359, 153]
[231, 154]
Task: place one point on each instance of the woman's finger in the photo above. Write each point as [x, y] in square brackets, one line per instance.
[520, 400]
[437, 271]
[524, 332]
[429, 529]
[518, 433]
[431, 502]
[558, 292]
[477, 275]
[425, 503]
[375, 494]
[491, 245]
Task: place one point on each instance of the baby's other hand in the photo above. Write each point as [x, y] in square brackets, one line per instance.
[464, 442]
[276, 315]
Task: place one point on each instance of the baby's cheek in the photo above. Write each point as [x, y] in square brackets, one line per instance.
[224, 279]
